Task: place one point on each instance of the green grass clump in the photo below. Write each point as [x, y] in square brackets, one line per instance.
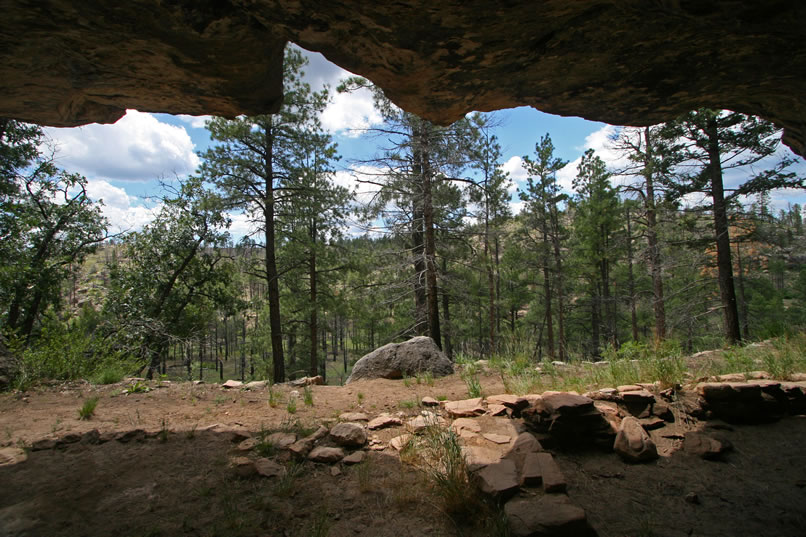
[291, 405]
[88, 408]
[473, 384]
[307, 396]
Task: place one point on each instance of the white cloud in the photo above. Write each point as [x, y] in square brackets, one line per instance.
[137, 147]
[351, 113]
[124, 212]
[599, 141]
[196, 122]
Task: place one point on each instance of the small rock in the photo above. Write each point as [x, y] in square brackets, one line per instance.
[498, 410]
[731, 377]
[638, 396]
[629, 388]
[553, 478]
[466, 424]
[326, 454]
[399, 442]
[198, 382]
[231, 384]
[353, 416]
[424, 420]
[243, 466]
[247, 445]
[335, 471]
[497, 438]
[692, 498]
[269, 468]
[633, 443]
[705, 446]
[498, 479]
[308, 381]
[663, 411]
[429, 401]
[356, 457]
[12, 455]
[281, 440]
[465, 408]
[544, 516]
[565, 403]
[383, 421]
[349, 435]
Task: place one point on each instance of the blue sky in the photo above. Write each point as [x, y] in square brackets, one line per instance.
[125, 162]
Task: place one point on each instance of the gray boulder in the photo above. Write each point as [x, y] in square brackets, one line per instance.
[396, 360]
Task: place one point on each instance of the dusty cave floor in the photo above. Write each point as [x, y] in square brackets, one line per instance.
[177, 479]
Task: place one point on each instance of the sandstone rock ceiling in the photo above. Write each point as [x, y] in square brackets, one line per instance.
[637, 62]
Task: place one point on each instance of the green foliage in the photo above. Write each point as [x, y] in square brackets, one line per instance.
[88, 408]
[64, 351]
[291, 405]
[137, 387]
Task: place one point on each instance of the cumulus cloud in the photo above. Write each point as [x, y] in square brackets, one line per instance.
[138, 147]
[599, 141]
[124, 212]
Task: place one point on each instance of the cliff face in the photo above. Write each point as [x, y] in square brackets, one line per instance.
[632, 62]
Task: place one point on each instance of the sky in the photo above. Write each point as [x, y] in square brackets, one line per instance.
[126, 162]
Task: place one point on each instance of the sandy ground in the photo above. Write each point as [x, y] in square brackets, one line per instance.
[177, 479]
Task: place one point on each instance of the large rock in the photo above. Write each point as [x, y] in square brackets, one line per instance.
[633, 443]
[66, 63]
[350, 435]
[396, 360]
[706, 446]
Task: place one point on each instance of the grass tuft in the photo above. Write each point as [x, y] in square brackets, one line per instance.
[88, 408]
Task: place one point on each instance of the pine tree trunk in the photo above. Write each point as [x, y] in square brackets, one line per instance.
[631, 279]
[272, 278]
[430, 256]
[658, 302]
[724, 264]
[314, 329]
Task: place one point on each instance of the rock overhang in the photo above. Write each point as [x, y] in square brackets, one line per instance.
[624, 62]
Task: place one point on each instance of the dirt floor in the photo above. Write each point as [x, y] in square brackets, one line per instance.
[175, 478]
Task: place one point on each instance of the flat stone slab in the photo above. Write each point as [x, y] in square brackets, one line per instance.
[429, 401]
[465, 408]
[638, 396]
[424, 420]
[497, 410]
[532, 473]
[553, 478]
[356, 457]
[546, 516]
[565, 403]
[382, 422]
[508, 400]
[478, 457]
[499, 478]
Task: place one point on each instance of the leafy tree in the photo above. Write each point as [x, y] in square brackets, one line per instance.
[173, 275]
[48, 225]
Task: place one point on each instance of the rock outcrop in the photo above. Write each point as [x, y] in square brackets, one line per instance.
[396, 360]
[69, 63]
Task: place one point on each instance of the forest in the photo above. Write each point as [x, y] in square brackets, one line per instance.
[657, 255]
